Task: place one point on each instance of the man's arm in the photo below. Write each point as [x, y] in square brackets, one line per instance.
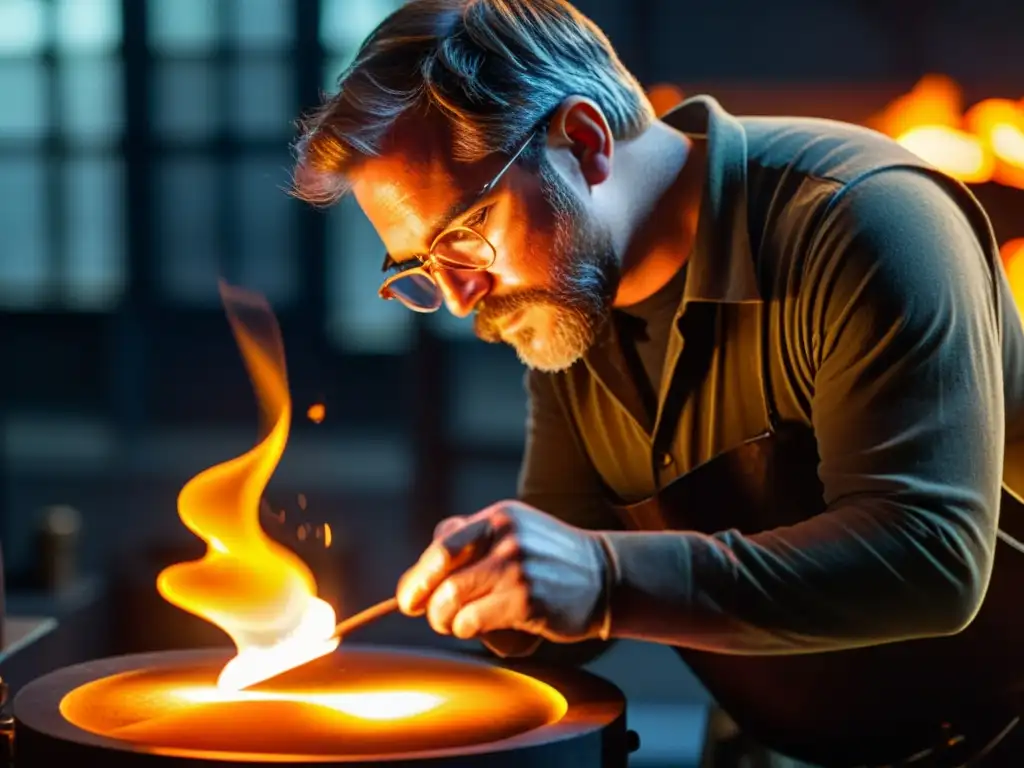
[557, 477]
[899, 311]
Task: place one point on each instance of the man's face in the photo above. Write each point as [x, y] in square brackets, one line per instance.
[555, 274]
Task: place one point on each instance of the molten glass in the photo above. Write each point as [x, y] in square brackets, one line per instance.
[260, 593]
[356, 702]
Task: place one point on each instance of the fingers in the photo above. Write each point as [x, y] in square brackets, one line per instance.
[504, 609]
[499, 571]
[449, 525]
[464, 544]
[459, 589]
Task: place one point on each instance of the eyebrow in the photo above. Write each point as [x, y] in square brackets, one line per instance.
[457, 209]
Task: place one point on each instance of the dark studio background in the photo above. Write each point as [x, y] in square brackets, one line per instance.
[143, 155]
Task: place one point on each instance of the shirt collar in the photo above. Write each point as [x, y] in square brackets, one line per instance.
[721, 267]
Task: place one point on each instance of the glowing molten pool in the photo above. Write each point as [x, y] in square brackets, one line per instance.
[356, 702]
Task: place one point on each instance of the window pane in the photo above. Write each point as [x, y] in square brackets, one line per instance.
[264, 220]
[22, 27]
[90, 99]
[88, 26]
[358, 320]
[94, 277]
[262, 99]
[345, 23]
[24, 232]
[185, 100]
[183, 26]
[262, 24]
[333, 67]
[188, 210]
[25, 113]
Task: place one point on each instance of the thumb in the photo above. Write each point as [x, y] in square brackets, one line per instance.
[449, 526]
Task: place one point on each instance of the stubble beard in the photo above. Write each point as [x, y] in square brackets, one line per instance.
[578, 302]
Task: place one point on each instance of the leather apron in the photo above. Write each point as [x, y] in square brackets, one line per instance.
[868, 706]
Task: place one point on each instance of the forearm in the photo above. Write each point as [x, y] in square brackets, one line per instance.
[863, 574]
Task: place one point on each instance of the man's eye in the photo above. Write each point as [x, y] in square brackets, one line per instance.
[478, 218]
[402, 266]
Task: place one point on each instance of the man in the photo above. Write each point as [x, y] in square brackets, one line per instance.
[781, 352]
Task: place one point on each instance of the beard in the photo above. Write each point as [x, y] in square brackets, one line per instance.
[578, 302]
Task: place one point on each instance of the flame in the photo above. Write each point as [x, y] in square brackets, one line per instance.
[984, 144]
[1012, 254]
[260, 593]
[316, 412]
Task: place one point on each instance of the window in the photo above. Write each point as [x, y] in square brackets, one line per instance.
[357, 319]
[261, 25]
[89, 100]
[61, 222]
[183, 26]
[24, 232]
[188, 210]
[186, 108]
[22, 27]
[25, 115]
[95, 267]
[223, 110]
[262, 100]
[264, 222]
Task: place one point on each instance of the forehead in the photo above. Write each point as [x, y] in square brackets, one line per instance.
[412, 189]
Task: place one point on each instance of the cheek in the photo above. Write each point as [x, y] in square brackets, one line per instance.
[524, 260]
[526, 247]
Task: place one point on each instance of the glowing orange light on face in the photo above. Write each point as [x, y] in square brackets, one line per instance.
[260, 593]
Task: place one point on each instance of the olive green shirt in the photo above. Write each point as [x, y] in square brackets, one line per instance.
[889, 330]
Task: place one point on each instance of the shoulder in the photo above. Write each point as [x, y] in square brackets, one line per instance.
[825, 150]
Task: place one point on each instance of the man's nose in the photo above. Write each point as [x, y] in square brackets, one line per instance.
[462, 289]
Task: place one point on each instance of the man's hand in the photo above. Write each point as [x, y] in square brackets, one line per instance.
[509, 567]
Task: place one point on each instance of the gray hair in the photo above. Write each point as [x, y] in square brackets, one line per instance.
[494, 69]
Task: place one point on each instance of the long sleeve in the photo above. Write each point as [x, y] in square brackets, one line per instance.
[899, 311]
[558, 478]
[556, 475]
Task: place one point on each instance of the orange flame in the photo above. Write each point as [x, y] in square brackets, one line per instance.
[984, 144]
[1012, 253]
[260, 593]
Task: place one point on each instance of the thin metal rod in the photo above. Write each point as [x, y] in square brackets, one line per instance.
[362, 618]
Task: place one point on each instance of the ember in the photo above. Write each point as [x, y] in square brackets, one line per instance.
[316, 413]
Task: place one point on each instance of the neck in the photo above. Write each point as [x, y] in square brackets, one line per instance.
[654, 206]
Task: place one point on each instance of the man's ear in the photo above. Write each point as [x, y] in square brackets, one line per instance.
[580, 127]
